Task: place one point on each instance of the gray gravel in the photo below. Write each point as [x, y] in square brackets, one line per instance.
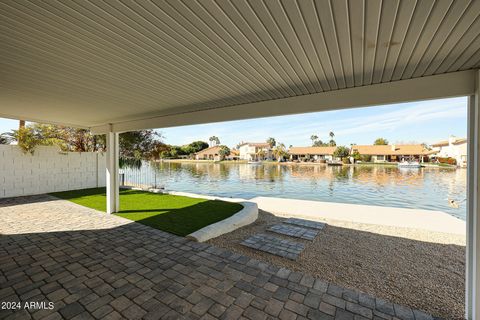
[421, 269]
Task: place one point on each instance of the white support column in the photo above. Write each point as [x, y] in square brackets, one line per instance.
[113, 197]
[473, 206]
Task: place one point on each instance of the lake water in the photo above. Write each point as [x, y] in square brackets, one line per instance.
[424, 188]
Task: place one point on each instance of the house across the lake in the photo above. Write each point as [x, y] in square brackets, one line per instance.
[454, 147]
[311, 153]
[234, 155]
[212, 153]
[255, 151]
[393, 153]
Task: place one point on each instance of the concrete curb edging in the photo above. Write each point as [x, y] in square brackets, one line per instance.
[244, 217]
[247, 215]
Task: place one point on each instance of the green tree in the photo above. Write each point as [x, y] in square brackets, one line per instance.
[271, 142]
[135, 144]
[26, 139]
[356, 155]
[194, 147]
[159, 150]
[380, 142]
[138, 144]
[341, 152]
[314, 139]
[223, 152]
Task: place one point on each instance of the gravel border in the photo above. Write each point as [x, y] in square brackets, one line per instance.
[422, 269]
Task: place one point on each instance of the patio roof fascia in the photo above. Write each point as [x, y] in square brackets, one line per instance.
[455, 84]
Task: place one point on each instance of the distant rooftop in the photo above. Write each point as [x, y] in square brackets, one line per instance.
[392, 150]
[454, 140]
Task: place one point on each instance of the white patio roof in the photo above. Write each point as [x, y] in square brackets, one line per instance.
[137, 64]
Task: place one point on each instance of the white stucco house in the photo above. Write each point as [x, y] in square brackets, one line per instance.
[311, 153]
[454, 147]
[255, 151]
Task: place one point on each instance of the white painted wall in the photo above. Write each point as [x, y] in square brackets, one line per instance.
[457, 151]
[48, 170]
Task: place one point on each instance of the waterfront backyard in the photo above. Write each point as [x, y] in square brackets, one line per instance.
[395, 263]
[91, 264]
[348, 269]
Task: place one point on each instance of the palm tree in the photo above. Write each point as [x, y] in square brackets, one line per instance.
[332, 142]
[314, 138]
[271, 142]
[280, 151]
[261, 155]
[214, 141]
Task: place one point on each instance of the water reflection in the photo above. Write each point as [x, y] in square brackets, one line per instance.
[424, 188]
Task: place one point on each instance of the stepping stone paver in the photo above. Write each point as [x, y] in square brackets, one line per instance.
[306, 223]
[273, 245]
[296, 232]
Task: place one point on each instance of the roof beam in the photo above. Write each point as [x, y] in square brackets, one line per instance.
[449, 85]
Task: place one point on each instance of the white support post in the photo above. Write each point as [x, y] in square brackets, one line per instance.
[473, 206]
[113, 197]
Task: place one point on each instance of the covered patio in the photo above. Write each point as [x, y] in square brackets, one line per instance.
[97, 266]
[116, 66]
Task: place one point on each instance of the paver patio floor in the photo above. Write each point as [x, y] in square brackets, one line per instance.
[94, 265]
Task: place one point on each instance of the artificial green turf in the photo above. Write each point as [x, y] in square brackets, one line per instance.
[175, 214]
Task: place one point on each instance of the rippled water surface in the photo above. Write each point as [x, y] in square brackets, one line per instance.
[424, 188]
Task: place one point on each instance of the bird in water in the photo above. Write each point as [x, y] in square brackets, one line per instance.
[453, 203]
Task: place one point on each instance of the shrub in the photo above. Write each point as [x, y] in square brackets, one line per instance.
[341, 152]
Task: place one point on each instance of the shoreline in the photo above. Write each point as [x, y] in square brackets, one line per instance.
[419, 219]
[287, 163]
[429, 220]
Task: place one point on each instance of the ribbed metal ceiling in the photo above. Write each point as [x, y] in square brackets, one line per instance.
[93, 62]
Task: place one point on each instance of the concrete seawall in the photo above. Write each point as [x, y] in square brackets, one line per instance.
[430, 220]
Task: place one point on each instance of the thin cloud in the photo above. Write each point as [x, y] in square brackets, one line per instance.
[349, 125]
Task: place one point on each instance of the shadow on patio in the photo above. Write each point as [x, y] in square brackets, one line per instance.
[114, 268]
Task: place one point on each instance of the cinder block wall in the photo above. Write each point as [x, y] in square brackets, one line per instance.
[48, 170]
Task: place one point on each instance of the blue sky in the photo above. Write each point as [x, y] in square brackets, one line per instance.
[426, 121]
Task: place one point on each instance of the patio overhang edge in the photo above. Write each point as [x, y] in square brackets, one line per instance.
[453, 84]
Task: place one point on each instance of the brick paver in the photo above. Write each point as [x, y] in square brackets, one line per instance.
[97, 266]
[296, 232]
[306, 223]
[273, 245]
